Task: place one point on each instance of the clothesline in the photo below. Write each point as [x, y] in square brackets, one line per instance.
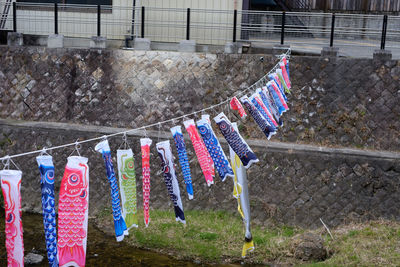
[5, 160]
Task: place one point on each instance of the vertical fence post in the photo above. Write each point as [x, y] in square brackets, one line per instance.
[283, 27]
[188, 24]
[142, 24]
[14, 16]
[98, 20]
[234, 25]
[384, 28]
[332, 29]
[55, 18]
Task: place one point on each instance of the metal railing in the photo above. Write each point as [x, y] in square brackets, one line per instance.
[203, 25]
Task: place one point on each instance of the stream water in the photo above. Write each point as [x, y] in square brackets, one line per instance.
[102, 250]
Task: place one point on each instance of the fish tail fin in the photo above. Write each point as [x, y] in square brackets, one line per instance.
[120, 228]
[179, 215]
[248, 246]
[131, 220]
[69, 255]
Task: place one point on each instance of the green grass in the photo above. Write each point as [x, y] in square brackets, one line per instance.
[210, 236]
[215, 236]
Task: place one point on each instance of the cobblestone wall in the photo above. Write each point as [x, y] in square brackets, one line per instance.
[294, 186]
[335, 102]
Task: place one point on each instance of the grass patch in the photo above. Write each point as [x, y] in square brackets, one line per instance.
[215, 236]
[210, 236]
[375, 243]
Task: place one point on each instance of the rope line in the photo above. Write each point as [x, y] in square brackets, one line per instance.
[5, 159]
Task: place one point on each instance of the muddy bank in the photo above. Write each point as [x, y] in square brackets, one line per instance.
[102, 249]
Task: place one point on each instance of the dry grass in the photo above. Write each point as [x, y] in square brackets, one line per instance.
[375, 243]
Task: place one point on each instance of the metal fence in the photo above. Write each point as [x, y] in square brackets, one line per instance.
[203, 25]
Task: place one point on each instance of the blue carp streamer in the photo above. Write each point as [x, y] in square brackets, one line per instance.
[235, 141]
[183, 158]
[46, 168]
[119, 223]
[213, 146]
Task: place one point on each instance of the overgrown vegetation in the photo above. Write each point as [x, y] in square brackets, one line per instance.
[216, 236]
[375, 243]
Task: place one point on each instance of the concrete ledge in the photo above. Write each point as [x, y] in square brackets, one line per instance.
[383, 55]
[279, 49]
[280, 147]
[187, 46]
[328, 51]
[15, 39]
[142, 44]
[98, 42]
[55, 41]
[231, 48]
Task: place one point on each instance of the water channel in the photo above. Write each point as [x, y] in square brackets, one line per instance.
[102, 250]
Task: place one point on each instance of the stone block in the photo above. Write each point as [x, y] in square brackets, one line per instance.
[98, 42]
[55, 41]
[187, 46]
[231, 48]
[142, 44]
[329, 51]
[383, 55]
[15, 39]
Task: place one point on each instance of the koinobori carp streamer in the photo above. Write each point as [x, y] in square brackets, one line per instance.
[168, 169]
[119, 223]
[235, 140]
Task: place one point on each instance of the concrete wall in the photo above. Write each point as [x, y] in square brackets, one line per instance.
[335, 103]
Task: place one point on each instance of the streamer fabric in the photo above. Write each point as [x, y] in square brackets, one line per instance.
[213, 146]
[236, 105]
[167, 164]
[241, 193]
[269, 104]
[268, 129]
[282, 80]
[145, 144]
[46, 168]
[285, 74]
[73, 210]
[201, 152]
[119, 223]
[183, 158]
[127, 183]
[264, 111]
[286, 62]
[11, 188]
[277, 97]
[235, 141]
[274, 77]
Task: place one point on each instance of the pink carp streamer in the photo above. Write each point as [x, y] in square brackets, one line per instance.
[236, 105]
[285, 74]
[145, 146]
[202, 154]
[73, 213]
[11, 187]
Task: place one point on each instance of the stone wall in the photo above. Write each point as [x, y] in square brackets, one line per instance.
[292, 184]
[334, 102]
[341, 102]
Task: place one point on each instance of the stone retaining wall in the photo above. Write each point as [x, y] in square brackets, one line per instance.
[335, 102]
[292, 184]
